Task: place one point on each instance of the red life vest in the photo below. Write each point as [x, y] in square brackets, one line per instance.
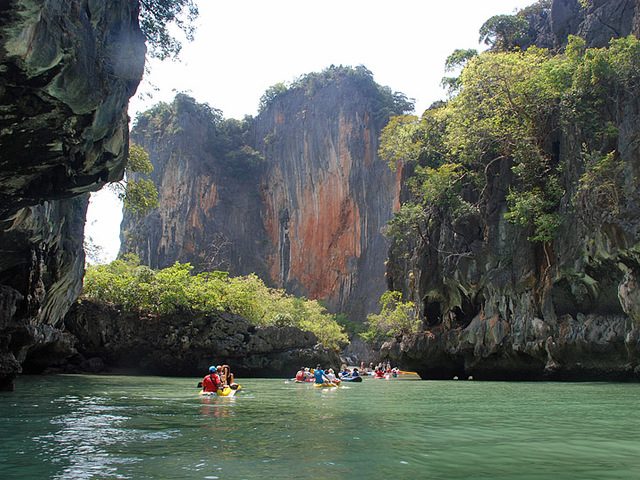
[211, 383]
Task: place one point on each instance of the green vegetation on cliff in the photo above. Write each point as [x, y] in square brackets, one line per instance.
[511, 109]
[386, 101]
[228, 139]
[396, 318]
[157, 20]
[139, 194]
[139, 288]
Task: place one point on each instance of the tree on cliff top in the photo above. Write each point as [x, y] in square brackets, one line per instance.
[155, 18]
[385, 101]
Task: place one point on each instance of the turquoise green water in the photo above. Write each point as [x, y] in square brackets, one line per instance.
[103, 427]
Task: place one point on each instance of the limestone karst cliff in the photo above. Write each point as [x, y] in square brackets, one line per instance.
[68, 70]
[297, 195]
[509, 299]
[186, 343]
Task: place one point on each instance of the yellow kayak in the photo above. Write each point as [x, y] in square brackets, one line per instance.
[225, 392]
[326, 385]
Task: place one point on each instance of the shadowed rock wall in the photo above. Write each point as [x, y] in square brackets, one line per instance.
[496, 305]
[184, 344]
[68, 70]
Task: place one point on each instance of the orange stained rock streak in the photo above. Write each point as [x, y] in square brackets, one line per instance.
[327, 236]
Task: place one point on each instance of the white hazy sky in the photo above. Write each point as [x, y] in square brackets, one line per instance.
[244, 46]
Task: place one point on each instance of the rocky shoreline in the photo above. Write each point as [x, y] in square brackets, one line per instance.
[185, 344]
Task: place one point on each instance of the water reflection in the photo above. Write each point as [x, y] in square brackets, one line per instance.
[82, 439]
[217, 407]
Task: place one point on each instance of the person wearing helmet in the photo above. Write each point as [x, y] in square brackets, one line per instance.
[211, 382]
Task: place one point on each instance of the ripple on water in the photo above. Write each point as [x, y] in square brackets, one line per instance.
[126, 427]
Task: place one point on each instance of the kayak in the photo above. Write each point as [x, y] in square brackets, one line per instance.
[225, 392]
[302, 381]
[326, 385]
[351, 379]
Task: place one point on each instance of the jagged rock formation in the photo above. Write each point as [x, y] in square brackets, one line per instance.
[497, 305]
[184, 344]
[597, 21]
[209, 207]
[306, 215]
[69, 68]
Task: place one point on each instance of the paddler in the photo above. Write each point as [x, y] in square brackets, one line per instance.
[211, 383]
[321, 378]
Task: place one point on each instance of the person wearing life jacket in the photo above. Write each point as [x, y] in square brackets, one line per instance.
[300, 375]
[378, 373]
[331, 376]
[320, 376]
[308, 376]
[211, 382]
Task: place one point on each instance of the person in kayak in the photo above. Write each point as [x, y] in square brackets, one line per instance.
[300, 375]
[331, 376]
[226, 377]
[211, 382]
[321, 378]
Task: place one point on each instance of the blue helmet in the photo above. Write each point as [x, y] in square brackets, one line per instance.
[212, 369]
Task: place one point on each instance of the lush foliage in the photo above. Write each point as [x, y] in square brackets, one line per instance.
[509, 107]
[504, 32]
[138, 193]
[455, 62]
[156, 18]
[396, 318]
[138, 288]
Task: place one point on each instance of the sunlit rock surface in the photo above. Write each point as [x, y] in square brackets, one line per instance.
[67, 69]
[308, 219]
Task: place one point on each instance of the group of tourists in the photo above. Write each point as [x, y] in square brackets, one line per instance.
[219, 378]
[317, 375]
[327, 377]
[381, 370]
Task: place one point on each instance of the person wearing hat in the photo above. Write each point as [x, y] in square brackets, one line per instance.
[211, 382]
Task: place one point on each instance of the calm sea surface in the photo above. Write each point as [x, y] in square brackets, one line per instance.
[103, 427]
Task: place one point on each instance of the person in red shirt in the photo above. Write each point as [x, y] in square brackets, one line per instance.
[211, 382]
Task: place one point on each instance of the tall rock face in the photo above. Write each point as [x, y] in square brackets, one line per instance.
[597, 21]
[209, 196]
[497, 305]
[326, 195]
[301, 198]
[69, 68]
